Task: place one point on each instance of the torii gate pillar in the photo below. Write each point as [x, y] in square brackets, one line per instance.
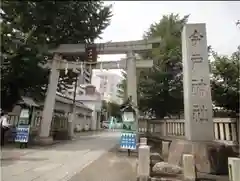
[131, 77]
[50, 101]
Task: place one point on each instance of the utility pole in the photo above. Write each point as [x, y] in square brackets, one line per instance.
[73, 106]
[73, 110]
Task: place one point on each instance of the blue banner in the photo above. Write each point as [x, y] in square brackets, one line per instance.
[128, 140]
[22, 133]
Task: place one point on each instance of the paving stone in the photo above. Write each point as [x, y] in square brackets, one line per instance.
[57, 163]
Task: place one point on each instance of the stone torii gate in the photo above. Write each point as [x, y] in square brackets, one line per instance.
[130, 64]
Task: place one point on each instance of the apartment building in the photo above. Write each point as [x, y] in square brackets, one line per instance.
[106, 84]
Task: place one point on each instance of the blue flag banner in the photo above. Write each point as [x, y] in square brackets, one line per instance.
[128, 140]
[22, 133]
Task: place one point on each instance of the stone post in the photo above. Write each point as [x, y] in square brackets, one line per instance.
[165, 149]
[233, 169]
[189, 171]
[143, 171]
[143, 141]
[196, 81]
[50, 100]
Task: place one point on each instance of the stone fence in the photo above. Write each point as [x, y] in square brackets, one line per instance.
[225, 129]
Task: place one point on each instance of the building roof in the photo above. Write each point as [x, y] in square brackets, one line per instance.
[28, 101]
[94, 97]
[68, 100]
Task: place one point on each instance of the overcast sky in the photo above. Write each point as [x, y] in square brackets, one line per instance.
[131, 18]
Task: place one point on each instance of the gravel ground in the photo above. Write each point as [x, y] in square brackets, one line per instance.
[113, 166]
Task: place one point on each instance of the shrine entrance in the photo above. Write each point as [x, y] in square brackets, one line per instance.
[91, 51]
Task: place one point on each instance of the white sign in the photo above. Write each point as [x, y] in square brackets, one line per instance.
[128, 117]
[24, 113]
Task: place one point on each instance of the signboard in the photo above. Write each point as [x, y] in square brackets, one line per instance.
[24, 116]
[22, 133]
[128, 136]
[128, 117]
[128, 140]
[91, 52]
[24, 113]
[129, 123]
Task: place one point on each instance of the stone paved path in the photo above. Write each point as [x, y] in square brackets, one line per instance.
[56, 163]
[112, 166]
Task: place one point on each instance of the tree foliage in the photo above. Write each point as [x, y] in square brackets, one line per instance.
[122, 86]
[226, 81]
[111, 108]
[20, 73]
[30, 28]
[160, 89]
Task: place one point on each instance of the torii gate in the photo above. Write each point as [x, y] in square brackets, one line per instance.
[130, 64]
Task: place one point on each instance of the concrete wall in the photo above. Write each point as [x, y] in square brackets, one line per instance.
[81, 114]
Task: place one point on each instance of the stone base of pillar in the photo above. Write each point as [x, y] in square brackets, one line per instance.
[210, 157]
[44, 140]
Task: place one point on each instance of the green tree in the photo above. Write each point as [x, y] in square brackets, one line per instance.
[29, 29]
[20, 73]
[226, 81]
[122, 86]
[112, 108]
[160, 89]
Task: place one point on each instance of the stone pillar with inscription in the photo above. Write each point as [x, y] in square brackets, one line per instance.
[196, 80]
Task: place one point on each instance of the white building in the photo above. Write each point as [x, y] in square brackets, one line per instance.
[104, 87]
[107, 84]
[96, 81]
[92, 99]
[87, 94]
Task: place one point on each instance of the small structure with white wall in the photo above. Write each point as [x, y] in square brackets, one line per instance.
[83, 112]
[59, 121]
[92, 99]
